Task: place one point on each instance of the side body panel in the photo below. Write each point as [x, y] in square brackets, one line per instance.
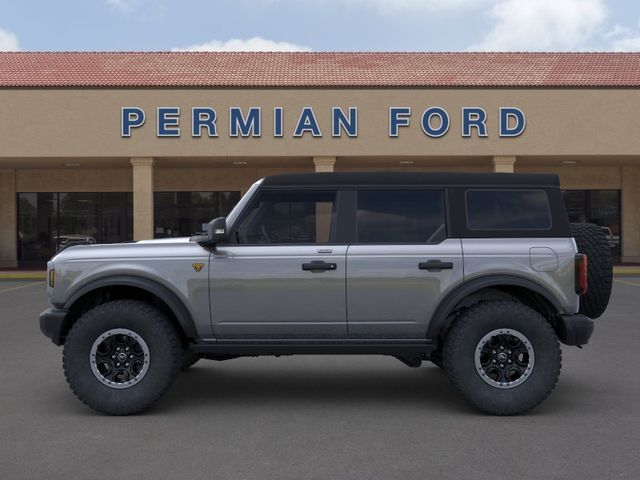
[263, 292]
[389, 296]
[548, 262]
[168, 263]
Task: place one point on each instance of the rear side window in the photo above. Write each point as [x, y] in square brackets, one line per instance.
[508, 210]
[400, 216]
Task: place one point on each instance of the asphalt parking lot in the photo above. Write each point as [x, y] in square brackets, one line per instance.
[320, 417]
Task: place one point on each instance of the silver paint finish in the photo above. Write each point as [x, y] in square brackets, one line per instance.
[388, 296]
[262, 292]
[511, 256]
[543, 259]
[167, 262]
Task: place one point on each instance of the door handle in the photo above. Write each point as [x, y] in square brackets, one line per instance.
[435, 265]
[319, 266]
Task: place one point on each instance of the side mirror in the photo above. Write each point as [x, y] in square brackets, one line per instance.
[216, 233]
[217, 230]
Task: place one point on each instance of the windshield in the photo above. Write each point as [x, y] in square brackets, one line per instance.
[233, 215]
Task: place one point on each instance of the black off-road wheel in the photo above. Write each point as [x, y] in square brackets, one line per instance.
[591, 240]
[121, 357]
[503, 356]
[189, 359]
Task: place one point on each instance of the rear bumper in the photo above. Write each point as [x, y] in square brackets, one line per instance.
[575, 329]
[52, 324]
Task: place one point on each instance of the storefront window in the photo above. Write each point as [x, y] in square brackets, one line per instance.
[50, 222]
[183, 214]
[601, 207]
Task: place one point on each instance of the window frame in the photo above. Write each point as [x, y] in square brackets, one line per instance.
[335, 214]
[502, 229]
[445, 213]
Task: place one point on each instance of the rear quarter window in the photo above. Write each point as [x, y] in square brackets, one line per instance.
[493, 209]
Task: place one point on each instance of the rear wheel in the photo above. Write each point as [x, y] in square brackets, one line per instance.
[503, 356]
[120, 357]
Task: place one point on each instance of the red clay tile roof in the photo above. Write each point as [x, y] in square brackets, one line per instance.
[323, 69]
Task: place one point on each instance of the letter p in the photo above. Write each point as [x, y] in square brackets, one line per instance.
[132, 117]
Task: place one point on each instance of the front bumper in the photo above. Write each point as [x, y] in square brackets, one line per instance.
[575, 329]
[52, 324]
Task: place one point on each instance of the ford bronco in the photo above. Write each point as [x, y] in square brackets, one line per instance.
[481, 274]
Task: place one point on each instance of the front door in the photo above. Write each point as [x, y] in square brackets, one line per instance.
[283, 276]
[401, 264]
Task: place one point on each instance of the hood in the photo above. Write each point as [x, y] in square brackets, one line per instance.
[166, 240]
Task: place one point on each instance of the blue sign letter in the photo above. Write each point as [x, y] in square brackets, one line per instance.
[341, 121]
[474, 117]
[203, 117]
[132, 117]
[278, 121]
[307, 123]
[398, 117]
[426, 121]
[508, 113]
[168, 122]
[249, 126]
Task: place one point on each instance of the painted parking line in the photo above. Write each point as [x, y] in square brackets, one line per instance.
[20, 286]
[627, 282]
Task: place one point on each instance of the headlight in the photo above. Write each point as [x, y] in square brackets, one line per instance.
[52, 277]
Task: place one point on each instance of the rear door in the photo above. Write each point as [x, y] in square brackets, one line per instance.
[401, 263]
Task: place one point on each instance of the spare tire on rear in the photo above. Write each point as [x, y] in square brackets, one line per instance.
[591, 241]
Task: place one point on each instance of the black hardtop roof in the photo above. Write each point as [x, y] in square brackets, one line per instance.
[413, 178]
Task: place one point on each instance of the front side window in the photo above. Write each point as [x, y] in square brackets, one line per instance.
[508, 210]
[401, 216]
[288, 217]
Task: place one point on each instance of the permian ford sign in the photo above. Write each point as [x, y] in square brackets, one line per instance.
[203, 121]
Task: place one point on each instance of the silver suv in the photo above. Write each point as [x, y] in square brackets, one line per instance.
[481, 274]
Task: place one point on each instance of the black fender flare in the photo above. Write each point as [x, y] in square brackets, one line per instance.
[177, 306]
[446, 306]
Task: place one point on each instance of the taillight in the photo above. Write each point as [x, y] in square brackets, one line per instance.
[582, 262]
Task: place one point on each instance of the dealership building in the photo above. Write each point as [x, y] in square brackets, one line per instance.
[112, 147]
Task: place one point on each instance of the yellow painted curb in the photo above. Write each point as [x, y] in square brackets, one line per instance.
[622, 271]
[23, 276]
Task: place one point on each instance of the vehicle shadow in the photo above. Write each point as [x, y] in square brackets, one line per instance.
[402, 387]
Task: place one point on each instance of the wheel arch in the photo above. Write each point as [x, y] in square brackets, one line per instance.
[127, 286]
[527, 291]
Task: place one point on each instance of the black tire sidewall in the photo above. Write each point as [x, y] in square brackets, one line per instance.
[591, 240]
[464, 337]
[148, 323]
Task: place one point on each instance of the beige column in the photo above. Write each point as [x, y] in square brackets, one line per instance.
[8, 219]
[142, 197]
[630, 214]
[504, 163]
[324, 164]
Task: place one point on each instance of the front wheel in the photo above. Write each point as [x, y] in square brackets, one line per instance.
[503, 356]
[120, 357]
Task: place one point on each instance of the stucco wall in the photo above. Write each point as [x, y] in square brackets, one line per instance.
[85, 122]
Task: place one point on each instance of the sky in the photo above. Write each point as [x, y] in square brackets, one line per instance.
[320, 25]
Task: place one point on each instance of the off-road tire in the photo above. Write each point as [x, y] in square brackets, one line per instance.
[189, 359]
[463, 339]
[592, 241]
[165, 356]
